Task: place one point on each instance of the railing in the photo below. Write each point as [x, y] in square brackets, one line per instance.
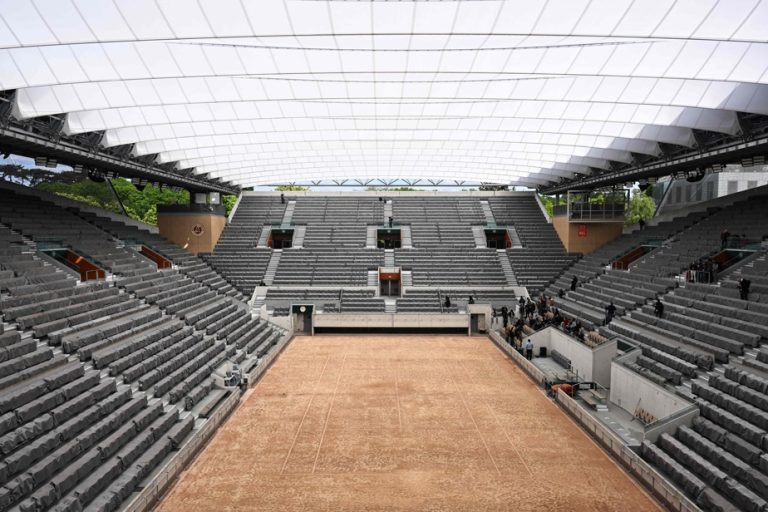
[584, 212]
[672, 497]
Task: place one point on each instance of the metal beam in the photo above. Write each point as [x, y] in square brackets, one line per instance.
[726, 153]
[25, 142]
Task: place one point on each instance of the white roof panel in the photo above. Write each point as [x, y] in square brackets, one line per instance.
[474, 90]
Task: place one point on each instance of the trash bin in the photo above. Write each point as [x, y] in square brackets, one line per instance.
[542, 351]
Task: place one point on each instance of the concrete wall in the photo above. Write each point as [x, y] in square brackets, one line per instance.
[531, 369]
[178, 228]
[598, 234]
[674, 499]
[629, 390]
[391, 320]
[591, 364]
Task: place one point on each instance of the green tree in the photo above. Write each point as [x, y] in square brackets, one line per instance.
[391, 189]
[291, 188]
[549, 203]
[150, 217]
[229, 203]
[641, 206]
[139, 204]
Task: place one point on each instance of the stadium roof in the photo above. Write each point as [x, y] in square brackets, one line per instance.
[515, 92]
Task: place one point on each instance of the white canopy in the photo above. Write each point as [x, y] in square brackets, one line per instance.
[266, 91]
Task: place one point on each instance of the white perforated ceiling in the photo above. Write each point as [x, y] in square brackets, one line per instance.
[266, 91]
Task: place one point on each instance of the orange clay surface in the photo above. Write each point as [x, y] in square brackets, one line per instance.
[403, 422]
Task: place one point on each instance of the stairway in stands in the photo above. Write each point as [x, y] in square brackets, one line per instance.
[274, 261]
[487, 212]
[509, 274]
[288, 215]
[389, 258]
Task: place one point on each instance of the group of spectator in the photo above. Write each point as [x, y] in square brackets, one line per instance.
[703, 271]
[534, 315]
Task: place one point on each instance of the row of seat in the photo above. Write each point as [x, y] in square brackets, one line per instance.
[71, 436]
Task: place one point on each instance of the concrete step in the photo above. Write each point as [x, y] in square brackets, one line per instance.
[288, 214]
[487, 212]
[274, 261]
[298, 236]
[478, 232]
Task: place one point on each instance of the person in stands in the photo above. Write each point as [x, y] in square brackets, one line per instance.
[744, 288]
[390, 222]
[658, 308]
[561, 293]
[505, 315]
[529, 349]
[610, 310]
[471, 300]
[447, 302]
[282, 198]
[724, 238]
[574, 282]
[641, 223]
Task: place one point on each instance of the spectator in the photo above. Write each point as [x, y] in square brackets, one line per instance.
[390, 221]
[610, 310]
[529, 349]
[471, 300]
[744, 288]
[505, 315]
[658, 308]
[641, 223]
[447, 302]
[282, 198]
[561, 293]
[574, 282]
[724, 238]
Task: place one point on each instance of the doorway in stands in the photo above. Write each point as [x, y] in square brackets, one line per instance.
[389, 282]
[388, 238]
[497, 239]
[280, 238]
[302, 318]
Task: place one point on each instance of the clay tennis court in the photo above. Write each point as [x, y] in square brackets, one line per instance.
[411, 422]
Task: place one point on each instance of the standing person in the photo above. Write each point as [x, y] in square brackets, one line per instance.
[641, 223]
[471, 300]
[574, 282]
[282, 198]
[744, 288]
[724, 238]
[390, 221]
[447, 303]
[529, 349]
[610, 310]
[505, 315]
[658, 308]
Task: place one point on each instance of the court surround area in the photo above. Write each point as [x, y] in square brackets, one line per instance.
[400, 422]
